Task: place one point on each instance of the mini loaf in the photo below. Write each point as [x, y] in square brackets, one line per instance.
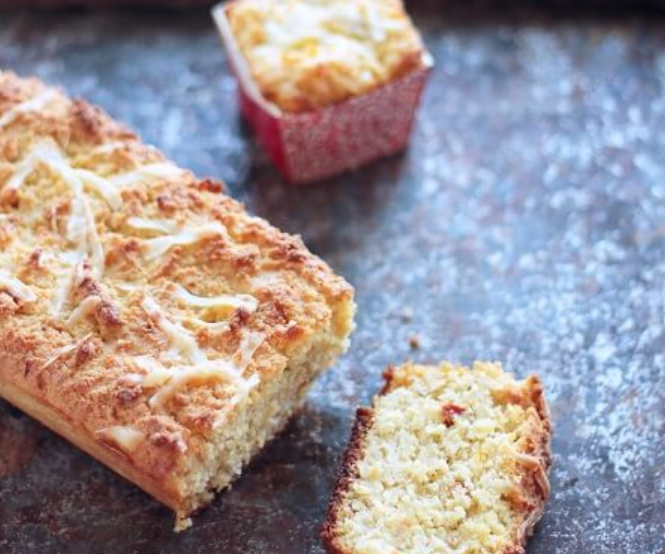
[144, 315]
[307, 54]
[448, 459]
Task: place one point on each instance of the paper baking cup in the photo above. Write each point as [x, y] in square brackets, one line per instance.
[315, 145]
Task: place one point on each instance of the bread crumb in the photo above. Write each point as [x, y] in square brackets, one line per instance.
[407, 315]
[471, 483]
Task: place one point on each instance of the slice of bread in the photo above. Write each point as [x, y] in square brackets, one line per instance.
[448, 459]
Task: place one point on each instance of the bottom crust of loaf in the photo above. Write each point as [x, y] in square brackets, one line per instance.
[357, 492]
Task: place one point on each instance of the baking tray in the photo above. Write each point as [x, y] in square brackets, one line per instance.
[525, 224]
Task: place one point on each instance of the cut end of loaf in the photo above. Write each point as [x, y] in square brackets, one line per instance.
[448, 459]
[256, 420]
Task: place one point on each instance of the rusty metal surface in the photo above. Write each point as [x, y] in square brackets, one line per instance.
[525, 224]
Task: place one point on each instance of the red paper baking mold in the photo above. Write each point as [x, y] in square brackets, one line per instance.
[315, 145]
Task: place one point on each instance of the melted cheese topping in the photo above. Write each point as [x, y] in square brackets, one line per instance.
[196, 323]
[157, 247]
[35, 104]
[248, 347]
[306, 54]
[81, 229]
[83, 310]
[156, 374]
[42, 152]
[16, 288]
[197, 369]
[148, 172]
[123, 437]
[106, 148]
[47, 152]
[164, 226]
[101, 186]
[233, 301]
[210, 372]
[181, 341]
[65, 351]
[65, 279]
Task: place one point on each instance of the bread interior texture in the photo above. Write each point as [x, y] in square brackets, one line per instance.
[258, 418]
[441, 468]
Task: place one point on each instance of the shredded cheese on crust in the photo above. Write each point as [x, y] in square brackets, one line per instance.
[163, 226]
[233, 301]
[182, 343]
[201, 375]
[148, 172]
[126, 438]
[65, 351]
[197, 368]
[157, 247]
[81, 227]
[16, 288]
[308, 54]
[83, 310]
[32, 105]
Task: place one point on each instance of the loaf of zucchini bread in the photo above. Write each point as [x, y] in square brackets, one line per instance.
[144, 314]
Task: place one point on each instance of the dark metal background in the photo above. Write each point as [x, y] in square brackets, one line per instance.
[525, 224]
[186, 4]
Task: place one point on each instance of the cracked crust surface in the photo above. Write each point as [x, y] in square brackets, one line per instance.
[141, 309]
[514, 484]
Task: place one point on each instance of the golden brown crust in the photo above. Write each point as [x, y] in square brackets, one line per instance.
[529, 499]
[535, 487]
[105, 246]
[347, 474]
